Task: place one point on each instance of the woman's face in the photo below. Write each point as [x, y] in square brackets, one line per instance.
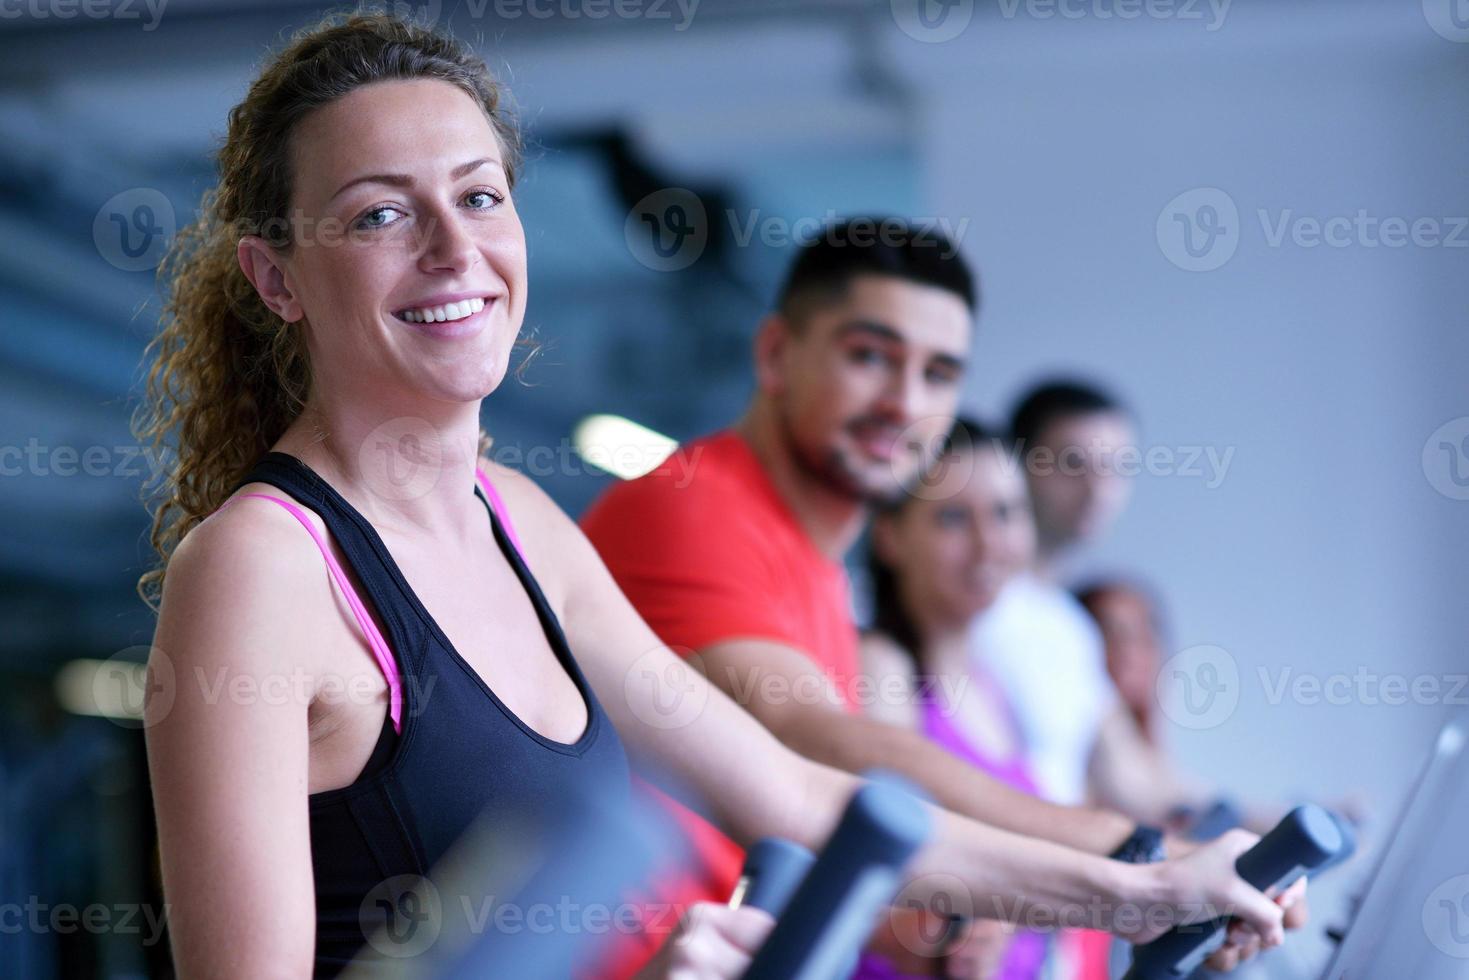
[1132, 642]
[404, 208]
[956, 545]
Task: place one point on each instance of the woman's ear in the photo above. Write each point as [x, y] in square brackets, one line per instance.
[262, 265]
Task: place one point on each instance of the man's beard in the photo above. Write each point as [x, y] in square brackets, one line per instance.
[831, 470]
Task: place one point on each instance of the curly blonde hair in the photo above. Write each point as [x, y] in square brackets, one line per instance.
[228, 375]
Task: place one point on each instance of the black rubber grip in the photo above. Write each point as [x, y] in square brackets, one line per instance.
[1305, 838]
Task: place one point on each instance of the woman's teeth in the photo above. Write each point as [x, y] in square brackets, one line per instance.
[441, 314]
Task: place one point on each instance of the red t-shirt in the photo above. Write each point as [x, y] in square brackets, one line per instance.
[706, 550]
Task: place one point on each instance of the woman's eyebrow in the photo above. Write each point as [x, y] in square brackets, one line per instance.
[404, 180]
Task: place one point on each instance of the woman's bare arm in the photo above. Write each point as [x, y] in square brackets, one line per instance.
[670, 716]
[227, 744]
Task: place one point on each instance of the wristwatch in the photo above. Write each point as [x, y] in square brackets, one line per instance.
[1143, 846]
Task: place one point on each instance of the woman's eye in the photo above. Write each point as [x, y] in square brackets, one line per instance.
[495, 199]
[866, 356]
[951, 516]
[368, 222]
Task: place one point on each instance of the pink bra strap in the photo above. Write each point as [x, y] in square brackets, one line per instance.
[380, 649]
[498, 505]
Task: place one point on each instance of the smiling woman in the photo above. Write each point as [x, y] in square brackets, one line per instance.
[230, 367]
[329, 712]
[333, 321]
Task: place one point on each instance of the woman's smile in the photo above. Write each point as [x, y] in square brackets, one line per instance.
[454, 319]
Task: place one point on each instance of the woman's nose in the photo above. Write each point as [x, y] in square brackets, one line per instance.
[450, 247]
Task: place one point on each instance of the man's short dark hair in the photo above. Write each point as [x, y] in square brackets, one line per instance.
[1057, 399]
[873, 245]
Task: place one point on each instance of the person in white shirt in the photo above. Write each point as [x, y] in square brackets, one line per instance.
[1037, 640]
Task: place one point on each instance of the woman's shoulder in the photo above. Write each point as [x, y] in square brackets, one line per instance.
[245, 531]
[242, 581]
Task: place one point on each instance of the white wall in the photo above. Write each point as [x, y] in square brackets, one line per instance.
[1325, 548]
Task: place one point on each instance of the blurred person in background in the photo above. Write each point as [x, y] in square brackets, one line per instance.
[1082, 679]
[938, 558]
[1041, 646]
[735, 556]
[1037, 641]
[1135, 638]
[1130, 621]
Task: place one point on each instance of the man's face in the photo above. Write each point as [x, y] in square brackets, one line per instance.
[867, 386]
[1075, 488]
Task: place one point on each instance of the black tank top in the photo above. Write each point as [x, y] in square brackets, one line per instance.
[462, 753]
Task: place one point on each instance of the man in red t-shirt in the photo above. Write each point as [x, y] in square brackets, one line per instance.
[732, 548]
